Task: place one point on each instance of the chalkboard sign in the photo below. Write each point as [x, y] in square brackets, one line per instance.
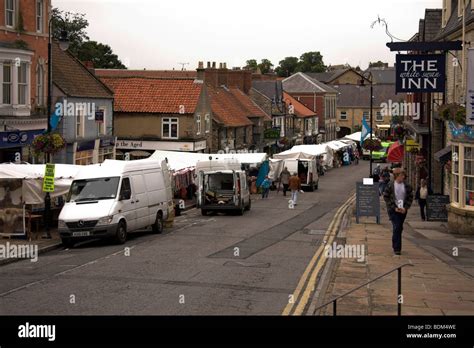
[436, 208]
[368, 201]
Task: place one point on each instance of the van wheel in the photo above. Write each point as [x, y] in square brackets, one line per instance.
[121, 234]
[249, 205]
[158, 225]
[68, 243]
[240, 212]
[317, 186]
[204, 212]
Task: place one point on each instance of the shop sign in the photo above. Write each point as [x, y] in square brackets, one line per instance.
[422, 73]
[272, 133]
[18, 138]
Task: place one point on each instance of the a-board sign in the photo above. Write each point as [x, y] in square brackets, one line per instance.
[436, 209]
[367, 201]
[48, 181]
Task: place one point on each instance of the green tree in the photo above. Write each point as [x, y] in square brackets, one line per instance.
[287, 66]
[378, 64]
[80, 45]
[251, 64]
[75, 24]
[99, 54]
[311, 62]
[265, 66]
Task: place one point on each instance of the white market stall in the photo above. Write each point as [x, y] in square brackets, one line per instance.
[22, 185]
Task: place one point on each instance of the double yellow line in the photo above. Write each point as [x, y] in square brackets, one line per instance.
[305, 288]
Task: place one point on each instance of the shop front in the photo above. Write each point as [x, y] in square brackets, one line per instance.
[14, 146]
[138, 149]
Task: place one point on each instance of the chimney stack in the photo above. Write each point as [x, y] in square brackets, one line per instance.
[201, 65]
[213, 65]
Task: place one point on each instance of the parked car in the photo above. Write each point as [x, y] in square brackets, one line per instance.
[116, 198]
[222, 186]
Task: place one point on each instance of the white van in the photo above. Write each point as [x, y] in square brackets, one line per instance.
[114, 198]
[222, 186]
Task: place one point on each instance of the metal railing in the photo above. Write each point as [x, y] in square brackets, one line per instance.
[399, 294]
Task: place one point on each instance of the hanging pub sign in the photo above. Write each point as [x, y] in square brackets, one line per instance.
[470, 88]
[422, 73]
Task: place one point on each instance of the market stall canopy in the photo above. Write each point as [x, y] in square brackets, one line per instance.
[356, 136]
[315, 150]
[337, 145]
[181, 160]
[396, 152]
[32, 179]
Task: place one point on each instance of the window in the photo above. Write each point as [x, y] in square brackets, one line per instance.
[106, 153]
[10, 13]
[169, 128]
[244, 135]
[463, 176]
[343, 115]
[379, 116]
[198, 123]
[469, 175]
[84, 157]
[208, 123]
[366, 115]
[40, 85]
[79, 122]
[101, 123]
[23, 84]
[125, 190]
[39, 16]
[7, 83]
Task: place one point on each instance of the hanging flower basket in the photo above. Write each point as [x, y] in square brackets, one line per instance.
[50, 143]
[453, 112]
[399, 132]
[372, 144]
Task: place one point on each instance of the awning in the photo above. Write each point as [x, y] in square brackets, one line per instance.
[443, 155]
[396, 152]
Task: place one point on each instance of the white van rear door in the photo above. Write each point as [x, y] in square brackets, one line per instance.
[200, 192]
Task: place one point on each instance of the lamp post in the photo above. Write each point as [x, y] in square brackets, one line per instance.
[362, 84]
[63, 45]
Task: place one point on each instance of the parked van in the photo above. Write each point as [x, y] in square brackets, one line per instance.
[222, 186]
[115, 198]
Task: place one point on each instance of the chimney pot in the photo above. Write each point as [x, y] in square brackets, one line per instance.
[208, 65]
[201, 65]
[213, 65]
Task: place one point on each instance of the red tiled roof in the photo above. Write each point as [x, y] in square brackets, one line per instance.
[227, 109]
[150, 95]
[253, 109]
[159, 74]
[300, 109]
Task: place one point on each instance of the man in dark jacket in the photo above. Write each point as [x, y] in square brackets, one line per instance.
[398, 197]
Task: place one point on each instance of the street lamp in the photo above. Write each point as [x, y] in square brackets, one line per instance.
[63, 45]
[362, 84]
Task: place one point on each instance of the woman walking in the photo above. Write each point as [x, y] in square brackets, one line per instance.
[421, 196]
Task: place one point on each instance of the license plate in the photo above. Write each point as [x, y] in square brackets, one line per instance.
[81, 234]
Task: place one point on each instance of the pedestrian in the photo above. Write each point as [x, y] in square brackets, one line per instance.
[356, 156]
[398, 197]
[285, 180]
[47, 216]
[266, 187]
[376, 174]
[421, 195]
[295, 186]
[385, 179]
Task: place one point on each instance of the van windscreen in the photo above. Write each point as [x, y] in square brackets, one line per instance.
[93, 189]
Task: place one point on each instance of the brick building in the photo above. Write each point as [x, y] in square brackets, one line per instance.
[318, 97]
[23, 73]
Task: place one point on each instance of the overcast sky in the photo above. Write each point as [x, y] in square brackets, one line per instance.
[159, 34]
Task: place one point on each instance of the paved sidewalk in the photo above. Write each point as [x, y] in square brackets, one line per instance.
[430, 287]
[44, 245]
